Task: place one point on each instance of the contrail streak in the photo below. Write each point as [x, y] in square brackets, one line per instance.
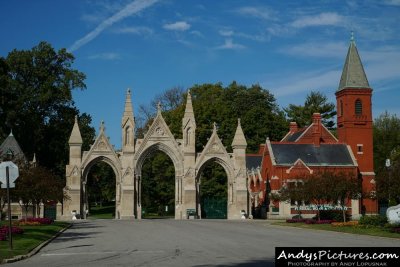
[131, 9]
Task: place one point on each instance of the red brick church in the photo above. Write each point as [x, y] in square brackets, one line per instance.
[314, 149]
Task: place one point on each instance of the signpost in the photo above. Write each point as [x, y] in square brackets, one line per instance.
[8, 174]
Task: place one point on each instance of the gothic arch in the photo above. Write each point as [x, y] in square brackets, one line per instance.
[149, 149]
[224, 161]
[127, 164]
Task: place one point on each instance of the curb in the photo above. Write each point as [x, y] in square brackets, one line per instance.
[36, 249]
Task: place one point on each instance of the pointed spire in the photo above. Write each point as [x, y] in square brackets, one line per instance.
[75, 137]
[239, 139]
[128, 111]
[353, 75]
[189, 106]
[11, 134]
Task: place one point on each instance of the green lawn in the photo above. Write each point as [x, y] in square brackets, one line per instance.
[32, 237]
[102, 212]
[361, 230]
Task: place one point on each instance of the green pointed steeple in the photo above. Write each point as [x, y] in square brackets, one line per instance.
[353, 75]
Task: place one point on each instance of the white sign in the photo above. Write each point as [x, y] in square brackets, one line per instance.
[320, 207]
[13, 173]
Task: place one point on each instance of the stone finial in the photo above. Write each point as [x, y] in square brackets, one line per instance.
[159, 107]
[214, 127]
[102, 126]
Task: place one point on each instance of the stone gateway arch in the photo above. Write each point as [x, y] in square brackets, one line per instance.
[127, 165]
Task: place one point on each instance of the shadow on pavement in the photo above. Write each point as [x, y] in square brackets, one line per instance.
[66, 236]
[253, 263]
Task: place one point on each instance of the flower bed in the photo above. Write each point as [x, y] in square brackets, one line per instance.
[349, 223]
[35, 221]
[309, 221]
[14, 230]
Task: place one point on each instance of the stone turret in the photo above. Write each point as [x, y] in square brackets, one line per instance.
[239, 140]
[239, 146]
[128, 125]
[73, 173]
[189, 132]
[75, 144]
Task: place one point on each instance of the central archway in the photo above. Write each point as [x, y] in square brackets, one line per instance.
[100, 191]
[178, 168]
[107, 165]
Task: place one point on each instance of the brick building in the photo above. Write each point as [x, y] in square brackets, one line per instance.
[314, 149]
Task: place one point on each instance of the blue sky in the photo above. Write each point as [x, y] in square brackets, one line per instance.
[288, 47]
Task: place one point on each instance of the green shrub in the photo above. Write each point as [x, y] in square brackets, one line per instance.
[373, 220]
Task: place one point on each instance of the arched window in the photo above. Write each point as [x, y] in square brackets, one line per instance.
[341, 108]
[127, 135]
[358, 107]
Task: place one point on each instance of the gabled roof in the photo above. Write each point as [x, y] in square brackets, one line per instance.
[294, 136]
[353, 75]
[253, 161]
[323, 155]
[11, 144]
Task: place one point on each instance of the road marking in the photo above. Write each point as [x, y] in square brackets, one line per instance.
[101, 252]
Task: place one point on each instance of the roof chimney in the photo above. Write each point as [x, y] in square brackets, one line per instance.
[293, 127]
[316, 128]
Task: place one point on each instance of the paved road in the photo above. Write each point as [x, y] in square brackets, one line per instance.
[183, 243]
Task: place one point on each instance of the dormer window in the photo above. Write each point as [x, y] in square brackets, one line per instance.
[358, 107]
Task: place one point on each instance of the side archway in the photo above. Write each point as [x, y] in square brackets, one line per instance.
[86, 168]
[213, 188]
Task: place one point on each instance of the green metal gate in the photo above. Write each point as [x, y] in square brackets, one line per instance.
[214, 208]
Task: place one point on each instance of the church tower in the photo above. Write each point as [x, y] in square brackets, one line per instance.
[189, 133]
[354, 118]
[128, 125]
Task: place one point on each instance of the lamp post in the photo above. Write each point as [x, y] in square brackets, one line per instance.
[387, 164]
[9, 157]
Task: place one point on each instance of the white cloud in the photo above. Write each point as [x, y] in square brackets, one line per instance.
[317, 49]
[131, 9]
[177, 26]
[105, 56]
[309, 81]
[197, 33]
[257, 12]
[229, 44]
[323, 19]
[226, 33]
[138, 30]
[392, 2]
[380, 65]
